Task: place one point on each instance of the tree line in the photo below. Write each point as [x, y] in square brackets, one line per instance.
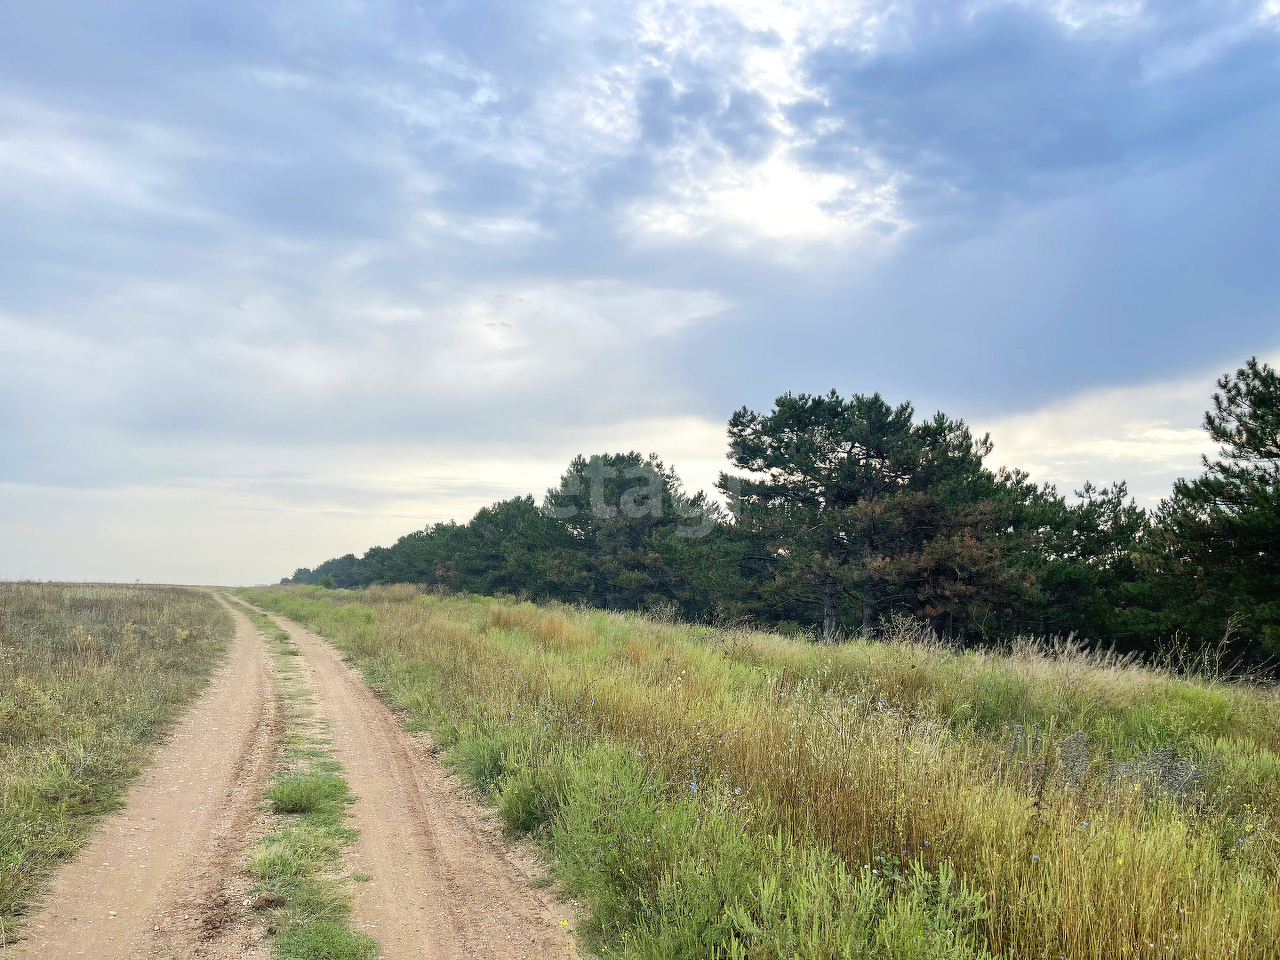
[846, 512]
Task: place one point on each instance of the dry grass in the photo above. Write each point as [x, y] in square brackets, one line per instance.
[894, 753]
[89, 676]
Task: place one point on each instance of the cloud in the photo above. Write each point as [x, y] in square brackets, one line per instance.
[739, 121]
[1148, 434]
[240, 513]
[294, 233]
[973, 103]
[338, 360]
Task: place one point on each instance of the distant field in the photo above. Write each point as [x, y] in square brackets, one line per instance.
[89, 676]
[726, 793]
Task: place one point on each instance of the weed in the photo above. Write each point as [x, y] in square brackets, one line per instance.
[307, 793]
[324, 940]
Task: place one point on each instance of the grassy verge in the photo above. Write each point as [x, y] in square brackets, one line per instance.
[90, 675]
[740, 794]
[300, 891]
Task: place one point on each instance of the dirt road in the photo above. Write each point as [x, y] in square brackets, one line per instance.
[144, 886]
[153, 882]
[444, 885]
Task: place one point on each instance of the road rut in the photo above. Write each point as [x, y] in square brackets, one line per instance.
[140, 888]
[444, 885]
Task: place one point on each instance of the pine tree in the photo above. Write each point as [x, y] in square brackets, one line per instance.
[622, 521]
[852, 497]
[1222, 529]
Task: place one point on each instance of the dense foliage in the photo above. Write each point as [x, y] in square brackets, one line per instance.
[848, 512]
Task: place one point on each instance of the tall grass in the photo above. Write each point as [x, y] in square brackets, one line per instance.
[898, 759]
[89, 676]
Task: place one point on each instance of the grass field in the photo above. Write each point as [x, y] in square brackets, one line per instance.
[735, 794]
[90, 674]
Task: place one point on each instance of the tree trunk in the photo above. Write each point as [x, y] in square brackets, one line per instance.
[830, 595]
[868, 603]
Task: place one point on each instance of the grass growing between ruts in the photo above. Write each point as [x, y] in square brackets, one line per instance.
[876, 799]
[304, 900]
[90, 675]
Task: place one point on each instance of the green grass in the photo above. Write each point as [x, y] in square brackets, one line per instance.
[308, 793]
[324, 940]
[772, 786]
[90, 677]
[297, 866]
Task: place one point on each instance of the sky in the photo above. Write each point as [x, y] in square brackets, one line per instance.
[281, 281]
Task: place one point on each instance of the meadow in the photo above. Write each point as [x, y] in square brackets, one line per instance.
[90, 675]
[709, 792]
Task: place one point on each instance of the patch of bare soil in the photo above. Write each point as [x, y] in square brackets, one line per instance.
[159, 878]
[444, 884]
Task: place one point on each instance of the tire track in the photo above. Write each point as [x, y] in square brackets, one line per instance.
[444, 885]
[144, 884]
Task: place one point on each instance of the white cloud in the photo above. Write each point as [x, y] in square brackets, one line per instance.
[332, 340]
[755, 203]
[1148, 434]
[776, 199]
[464, 341]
